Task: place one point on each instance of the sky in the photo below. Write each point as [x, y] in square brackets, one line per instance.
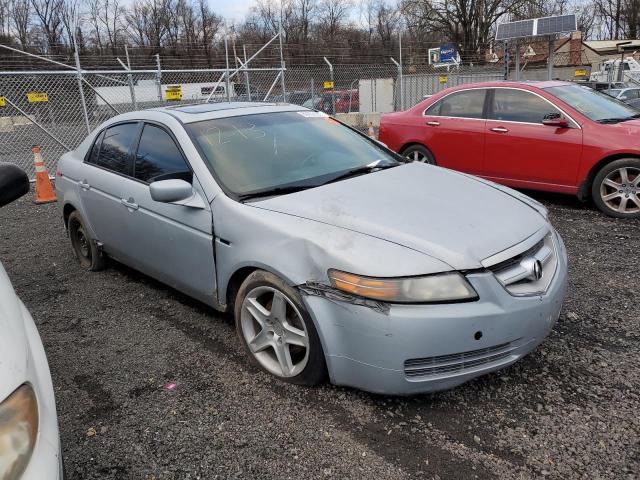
[231, 9]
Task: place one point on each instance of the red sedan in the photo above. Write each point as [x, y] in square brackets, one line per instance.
[553, 136]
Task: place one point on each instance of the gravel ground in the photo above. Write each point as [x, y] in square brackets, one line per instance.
[115, 338]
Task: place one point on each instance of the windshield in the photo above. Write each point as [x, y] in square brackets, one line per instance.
[278, 151]
[592, 104]
[614, 92]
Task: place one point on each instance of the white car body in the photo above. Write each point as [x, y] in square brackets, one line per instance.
[23, 361]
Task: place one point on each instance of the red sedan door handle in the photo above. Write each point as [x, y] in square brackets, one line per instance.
[499, 129]
[433, 123]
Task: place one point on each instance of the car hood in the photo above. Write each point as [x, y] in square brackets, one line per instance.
[441, 213]
[13, 339]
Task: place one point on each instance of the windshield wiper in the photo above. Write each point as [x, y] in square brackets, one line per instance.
[371, 167]
[618, 119]
[269, 192]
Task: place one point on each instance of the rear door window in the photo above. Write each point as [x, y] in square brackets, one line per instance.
[95, 149]
[115, 147]
[512, 105]
[464, 104]
[159, 158]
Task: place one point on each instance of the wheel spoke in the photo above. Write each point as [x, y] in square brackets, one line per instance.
[624, 176]
[257, 311]
[295, 336]
[635, 199]
[260, 341]
[623, 204]
[278, 307]
[416, 156]
[611, 183]
[284, 357]
[611, 196]
[636, 181]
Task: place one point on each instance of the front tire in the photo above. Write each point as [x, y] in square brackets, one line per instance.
[84, 247]
[616, 188]
[277, 331]
[419, 153]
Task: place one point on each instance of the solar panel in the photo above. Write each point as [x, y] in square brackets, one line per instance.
[536, 26]
[562, 23]
[522, 28]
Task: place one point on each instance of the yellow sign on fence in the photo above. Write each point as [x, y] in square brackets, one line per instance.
[581, 72]
[36, 97]
[3, 102]
[327, 85]
[173, 93]
[443, 79]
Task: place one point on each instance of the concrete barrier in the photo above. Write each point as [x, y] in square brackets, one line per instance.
[360, 120]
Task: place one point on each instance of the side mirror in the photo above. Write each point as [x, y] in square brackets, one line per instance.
[14, 183]
[169, 191]
[555, 120]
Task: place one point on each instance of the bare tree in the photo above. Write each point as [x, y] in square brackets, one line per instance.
[21, 20]
[48, 14]
[468, 23]
[332, 14]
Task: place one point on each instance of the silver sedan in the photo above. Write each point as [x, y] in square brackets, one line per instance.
[335, 257]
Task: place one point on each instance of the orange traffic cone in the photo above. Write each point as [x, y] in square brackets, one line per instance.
[44, 189]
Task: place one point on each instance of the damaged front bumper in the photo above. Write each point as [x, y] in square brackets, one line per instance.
[409, 349]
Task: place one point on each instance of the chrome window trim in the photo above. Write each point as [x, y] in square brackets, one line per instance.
[573, 122]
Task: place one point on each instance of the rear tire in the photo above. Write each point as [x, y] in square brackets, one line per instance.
[277, 331]
[84, 247]
[419, 153]
[616, 188]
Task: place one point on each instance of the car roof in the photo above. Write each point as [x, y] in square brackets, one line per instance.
[512, 83]
[208, 111]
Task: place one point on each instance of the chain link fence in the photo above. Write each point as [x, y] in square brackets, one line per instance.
[57, 109]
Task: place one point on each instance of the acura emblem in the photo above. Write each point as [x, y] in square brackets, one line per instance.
[533, 267]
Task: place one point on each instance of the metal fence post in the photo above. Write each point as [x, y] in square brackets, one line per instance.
[80, 89]
[550, 59]
[313, 95]
[226, 72]
[333, 86]
[159, 77]
[400, 79]
[246, 72]
[517, 45]
[130, 78]
[284, 90]
[506, 61]
[401, 73]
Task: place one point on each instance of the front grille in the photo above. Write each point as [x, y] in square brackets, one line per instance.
[457, 362]
[515, 274]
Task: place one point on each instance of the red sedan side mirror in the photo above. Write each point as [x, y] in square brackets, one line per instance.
[555, 120]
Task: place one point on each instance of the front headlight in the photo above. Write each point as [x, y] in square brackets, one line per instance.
[18, 432]
[442, 287]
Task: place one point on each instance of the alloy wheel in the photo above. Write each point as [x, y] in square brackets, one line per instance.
[620, 190]
[417, 156]
[274, 331]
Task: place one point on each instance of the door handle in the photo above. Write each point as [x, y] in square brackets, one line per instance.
[129, 203]
[433, 123]
[84, 184]
[499, 129]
